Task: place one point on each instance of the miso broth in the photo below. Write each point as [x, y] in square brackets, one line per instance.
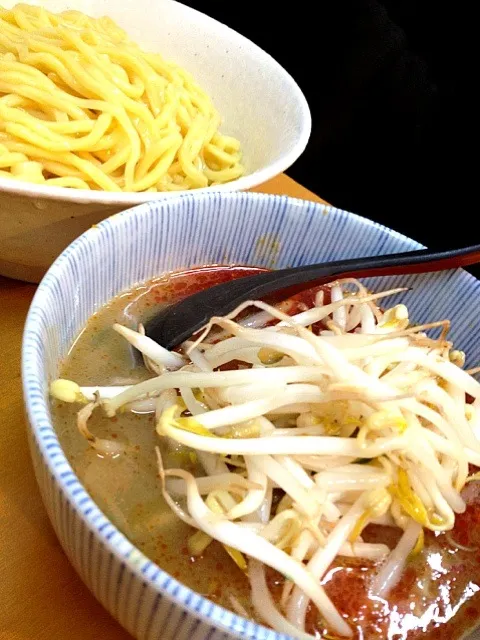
[127, 488]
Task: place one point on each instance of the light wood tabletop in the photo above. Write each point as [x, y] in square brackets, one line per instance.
[41, 596]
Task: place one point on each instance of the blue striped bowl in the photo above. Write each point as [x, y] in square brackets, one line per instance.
[134, 246]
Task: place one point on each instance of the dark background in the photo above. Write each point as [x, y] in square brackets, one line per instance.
[391, 88]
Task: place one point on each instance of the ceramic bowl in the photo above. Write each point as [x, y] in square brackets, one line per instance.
[134, 246]
[259, 101]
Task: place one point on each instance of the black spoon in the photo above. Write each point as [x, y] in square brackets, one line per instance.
[177, 322]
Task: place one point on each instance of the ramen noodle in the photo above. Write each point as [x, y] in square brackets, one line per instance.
[84, 107]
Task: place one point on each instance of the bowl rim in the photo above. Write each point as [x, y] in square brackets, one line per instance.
[247, 181]
[55, 461]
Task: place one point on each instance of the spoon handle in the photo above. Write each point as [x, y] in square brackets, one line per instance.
[180, 320]
[421, 261]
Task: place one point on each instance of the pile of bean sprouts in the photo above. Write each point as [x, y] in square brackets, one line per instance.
[366, 419]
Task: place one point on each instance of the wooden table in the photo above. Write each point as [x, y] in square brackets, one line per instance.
[41, 596]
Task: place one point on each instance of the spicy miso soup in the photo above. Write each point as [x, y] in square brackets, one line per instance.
[310, 463]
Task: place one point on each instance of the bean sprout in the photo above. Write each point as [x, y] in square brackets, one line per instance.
[364, 421]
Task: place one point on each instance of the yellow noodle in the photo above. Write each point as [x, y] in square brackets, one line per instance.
[170, 147]
[59, 169]
[75, 183]
[56, 142]
[88, 170]
[11, 159]
[83, 107]
[220, 155]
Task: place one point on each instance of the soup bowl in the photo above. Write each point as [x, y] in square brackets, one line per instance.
[134, 246]
[259, 102]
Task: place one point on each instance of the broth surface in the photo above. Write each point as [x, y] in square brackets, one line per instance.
[438, 595]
